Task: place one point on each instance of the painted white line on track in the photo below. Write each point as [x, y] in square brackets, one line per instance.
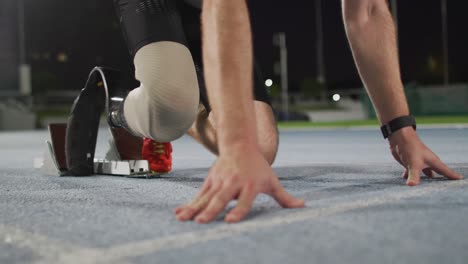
[44, 248]
[55, 251]
[141, 248]
[47, 250]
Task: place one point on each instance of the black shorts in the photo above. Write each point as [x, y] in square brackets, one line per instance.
[148, 21]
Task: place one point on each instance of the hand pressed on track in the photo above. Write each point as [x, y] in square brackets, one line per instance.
[240, 176]
[412, 154]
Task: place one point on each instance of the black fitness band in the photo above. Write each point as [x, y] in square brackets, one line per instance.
[396, 124]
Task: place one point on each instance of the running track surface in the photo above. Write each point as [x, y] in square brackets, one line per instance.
[358, 207]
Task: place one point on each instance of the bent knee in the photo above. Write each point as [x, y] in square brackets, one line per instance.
[267, 131]
[268, 144]
[157, 119]
[168, 124]
[169, 93]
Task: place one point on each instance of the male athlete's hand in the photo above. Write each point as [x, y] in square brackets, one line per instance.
[412, 154]
[240, 176]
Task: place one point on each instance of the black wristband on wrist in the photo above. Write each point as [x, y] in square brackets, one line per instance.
[396, 124]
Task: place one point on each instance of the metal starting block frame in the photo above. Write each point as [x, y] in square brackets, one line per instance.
[128, 168]
[123, 157]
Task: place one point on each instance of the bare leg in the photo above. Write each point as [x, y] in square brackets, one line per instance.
[203, 130]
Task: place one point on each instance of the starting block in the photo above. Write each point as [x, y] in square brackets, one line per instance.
[123, 157]
[70, 150]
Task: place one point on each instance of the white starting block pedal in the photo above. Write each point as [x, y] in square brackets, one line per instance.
[122, 159]
[127, 168]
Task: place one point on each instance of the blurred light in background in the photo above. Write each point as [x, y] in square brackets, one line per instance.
[62, 57]
[336, 97]
[268, 82]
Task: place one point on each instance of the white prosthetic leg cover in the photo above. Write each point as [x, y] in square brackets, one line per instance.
[165, 105]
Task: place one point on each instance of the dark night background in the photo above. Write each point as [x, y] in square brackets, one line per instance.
[88, 33]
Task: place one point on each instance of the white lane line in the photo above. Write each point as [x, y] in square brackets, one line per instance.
[43, 247]
[121, 252]
[47, 250]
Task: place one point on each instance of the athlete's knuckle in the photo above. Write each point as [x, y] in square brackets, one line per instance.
[216, 187]
[250, 187]
[232, 180]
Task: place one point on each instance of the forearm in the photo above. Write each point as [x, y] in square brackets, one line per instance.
[227, 58]
[371, 34]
